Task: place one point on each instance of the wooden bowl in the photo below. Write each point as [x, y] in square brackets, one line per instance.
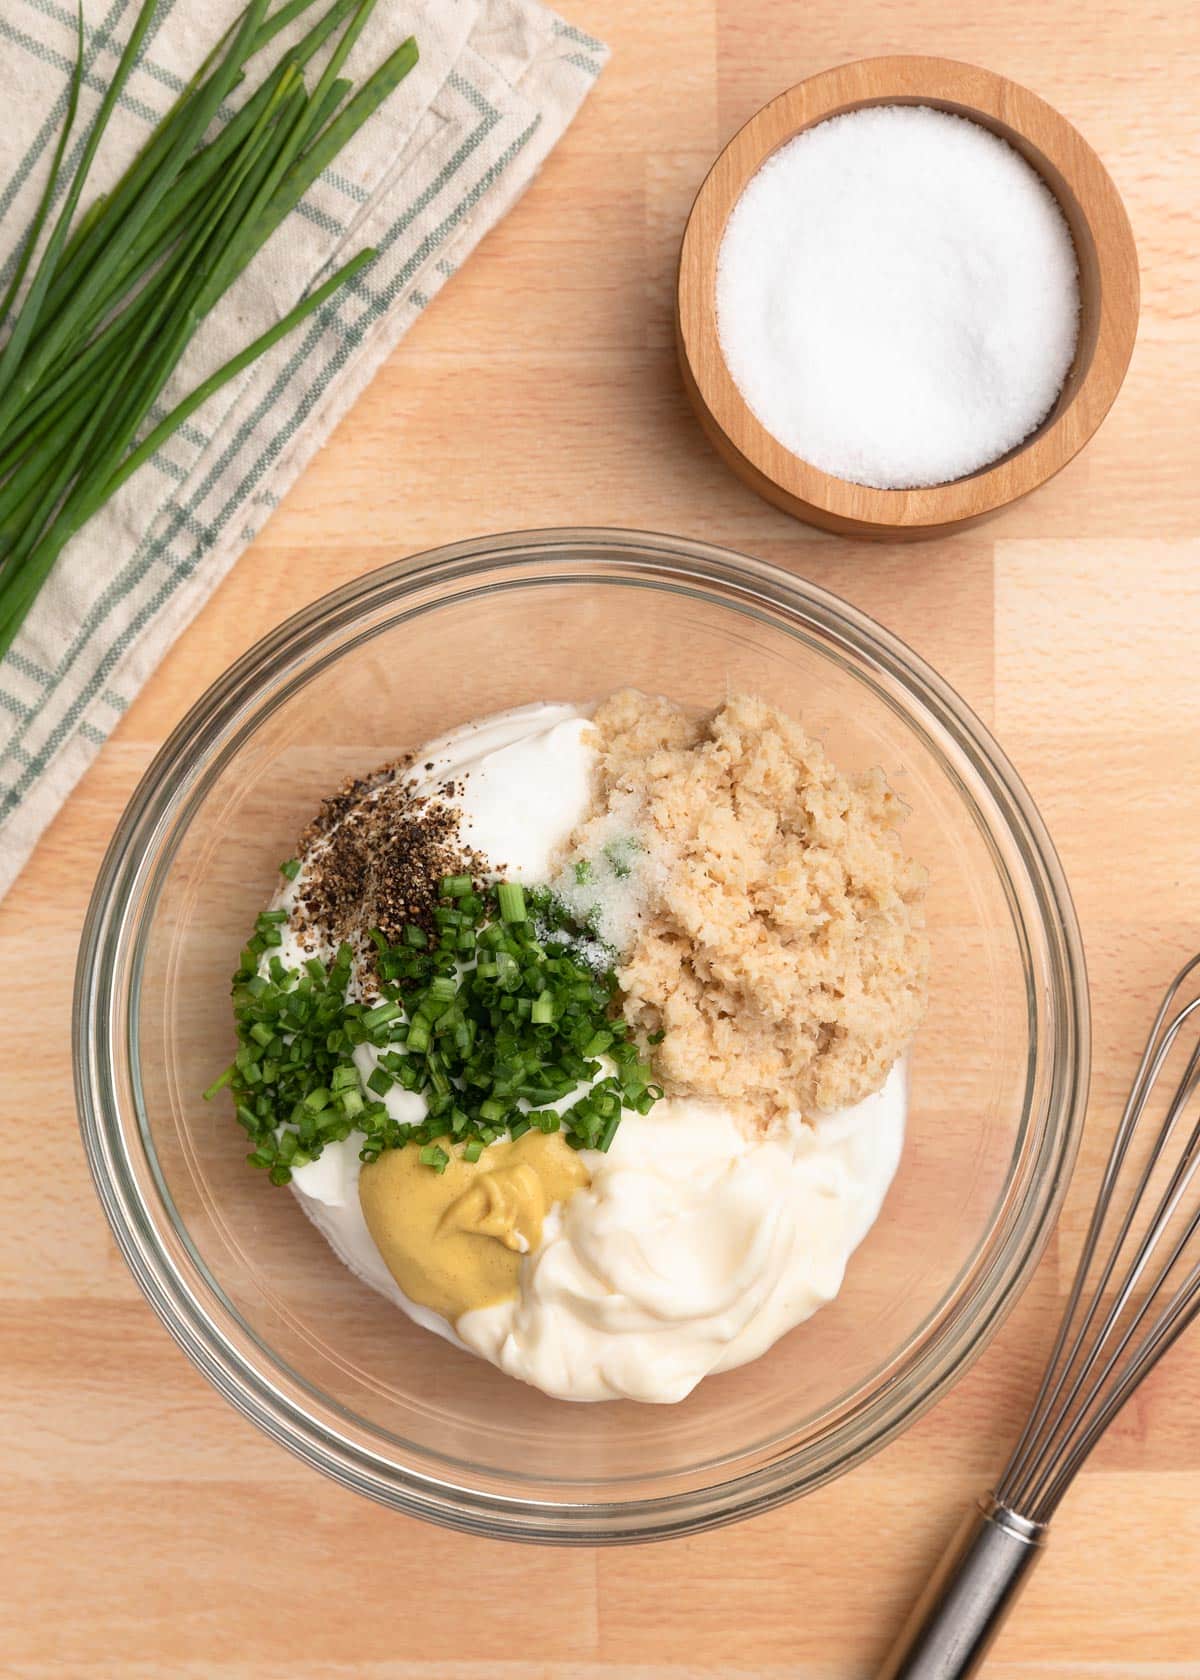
[1108, 284]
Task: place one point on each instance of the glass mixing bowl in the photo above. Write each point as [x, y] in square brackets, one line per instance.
[246, 1284]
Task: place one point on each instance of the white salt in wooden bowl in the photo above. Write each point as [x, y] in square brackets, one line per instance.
[1108, 285]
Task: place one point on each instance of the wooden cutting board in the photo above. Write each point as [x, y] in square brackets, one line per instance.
[150, 1532]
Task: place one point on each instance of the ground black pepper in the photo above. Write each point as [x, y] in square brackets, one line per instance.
[374, 857]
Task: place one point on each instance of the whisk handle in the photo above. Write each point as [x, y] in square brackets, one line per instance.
[961, 1610]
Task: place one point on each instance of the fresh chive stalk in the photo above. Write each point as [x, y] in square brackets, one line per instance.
[99, 320]
[47, 198]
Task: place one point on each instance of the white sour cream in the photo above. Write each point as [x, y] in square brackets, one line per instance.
[525, 777]
[693, 1249]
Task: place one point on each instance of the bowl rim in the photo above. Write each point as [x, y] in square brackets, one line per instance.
[101, 1026]
[1105, 249]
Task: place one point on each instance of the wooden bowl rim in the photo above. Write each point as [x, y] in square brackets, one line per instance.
[1002, 104]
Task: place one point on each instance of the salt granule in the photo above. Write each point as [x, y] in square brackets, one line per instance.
[898, 296]
[610, 877]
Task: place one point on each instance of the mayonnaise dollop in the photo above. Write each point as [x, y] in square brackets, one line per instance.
[693, 1248]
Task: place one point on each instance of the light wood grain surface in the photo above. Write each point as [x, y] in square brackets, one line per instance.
[149, 1531]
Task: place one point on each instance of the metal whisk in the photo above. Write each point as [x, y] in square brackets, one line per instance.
[1136, 1291]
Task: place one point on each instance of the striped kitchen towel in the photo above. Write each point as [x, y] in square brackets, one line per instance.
[497, 83]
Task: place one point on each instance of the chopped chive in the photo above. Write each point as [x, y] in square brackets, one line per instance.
[609, 1133]
[291, 868]
[510, 896]
[220, 1083]
[496, 1017]
[381, 1015]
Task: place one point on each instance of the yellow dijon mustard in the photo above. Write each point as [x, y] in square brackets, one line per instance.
[453, 1240]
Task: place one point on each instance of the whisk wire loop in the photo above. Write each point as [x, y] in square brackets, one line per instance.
[1179, 1314]
[1050, 1388]
[1084, 1386]
[1123, 1314]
